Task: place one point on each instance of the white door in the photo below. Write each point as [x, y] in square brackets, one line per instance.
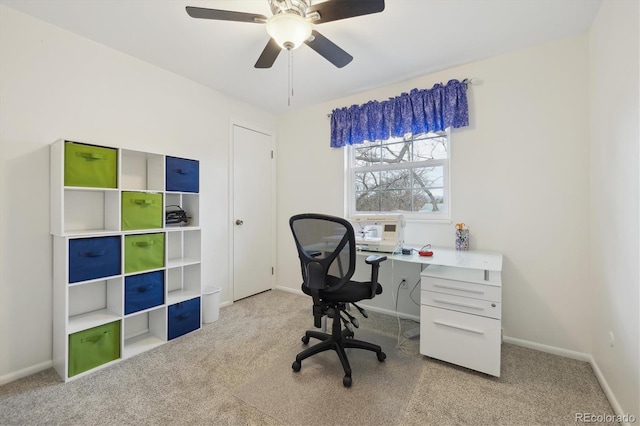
[253, 228]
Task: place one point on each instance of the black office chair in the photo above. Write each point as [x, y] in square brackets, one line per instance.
[327, 251]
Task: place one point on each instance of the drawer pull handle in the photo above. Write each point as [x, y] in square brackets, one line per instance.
[91, 156]
[142, 201]
[181, 172]
[464, 305]
[451, 287]
[142, 243]
[95, 253]
[95, 338]
[183, 316]
[472, 330]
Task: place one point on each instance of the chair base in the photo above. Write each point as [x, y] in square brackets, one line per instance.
[337, 341]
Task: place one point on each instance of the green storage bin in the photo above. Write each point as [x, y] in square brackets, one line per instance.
[93, 347]
[143, 252]
[141, 210]
[90, 165]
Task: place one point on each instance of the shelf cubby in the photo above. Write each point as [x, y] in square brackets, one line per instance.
[141, 171]
[144, 331]
[183, 283]
[90, 210]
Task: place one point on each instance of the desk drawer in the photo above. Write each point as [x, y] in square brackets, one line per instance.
[462, 288]
[470, 341]
[485, 308]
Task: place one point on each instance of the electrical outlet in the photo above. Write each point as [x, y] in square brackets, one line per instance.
[403, 282]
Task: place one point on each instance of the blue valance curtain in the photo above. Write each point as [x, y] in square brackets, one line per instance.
[419, 111]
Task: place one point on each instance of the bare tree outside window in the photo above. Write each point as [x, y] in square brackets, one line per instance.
[406, 175]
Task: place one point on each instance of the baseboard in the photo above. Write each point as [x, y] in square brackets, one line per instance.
[290, 290]
[548, 349]
[578, 356]
[25, 372]
[607, 390]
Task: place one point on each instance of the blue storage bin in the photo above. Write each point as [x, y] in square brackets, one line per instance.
[143, 291]
[184, 317]
[182, 175]
[91, 258]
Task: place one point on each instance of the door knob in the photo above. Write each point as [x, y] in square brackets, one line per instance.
[239, 222]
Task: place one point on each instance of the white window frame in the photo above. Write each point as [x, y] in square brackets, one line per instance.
[441, 216]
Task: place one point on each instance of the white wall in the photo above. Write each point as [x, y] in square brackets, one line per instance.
[54, 84]
[520, 176]
[615, 188]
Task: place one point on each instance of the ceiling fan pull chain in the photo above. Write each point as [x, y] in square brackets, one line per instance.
[290, 89]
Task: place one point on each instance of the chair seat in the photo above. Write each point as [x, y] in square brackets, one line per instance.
[352, 292]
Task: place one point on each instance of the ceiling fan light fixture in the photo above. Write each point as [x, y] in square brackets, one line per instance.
[288, 30]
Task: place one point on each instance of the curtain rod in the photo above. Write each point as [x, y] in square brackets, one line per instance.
[471, 81]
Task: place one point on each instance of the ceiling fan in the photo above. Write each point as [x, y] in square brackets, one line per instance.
[291, 25]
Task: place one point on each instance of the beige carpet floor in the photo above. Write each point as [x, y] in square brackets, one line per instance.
[316, 395]
[237, 371]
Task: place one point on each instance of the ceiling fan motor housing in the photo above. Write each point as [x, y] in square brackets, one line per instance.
[298, 7]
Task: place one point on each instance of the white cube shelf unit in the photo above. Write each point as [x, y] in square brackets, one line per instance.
[108, 217]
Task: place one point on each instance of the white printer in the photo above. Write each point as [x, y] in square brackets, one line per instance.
[382, 233]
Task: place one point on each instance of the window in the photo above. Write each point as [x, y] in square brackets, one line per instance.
[409, 176]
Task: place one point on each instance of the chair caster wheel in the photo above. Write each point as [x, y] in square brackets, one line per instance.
[305, 340]
[346, 381]
[296, 366]
[381, 356]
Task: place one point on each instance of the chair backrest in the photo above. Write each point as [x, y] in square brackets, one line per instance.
[327, 251]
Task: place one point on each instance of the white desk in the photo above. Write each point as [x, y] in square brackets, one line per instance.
[460, 306]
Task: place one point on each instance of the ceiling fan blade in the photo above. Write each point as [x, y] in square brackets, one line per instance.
[225, 15]
[334, 10]
[328, 49]
[268, 55]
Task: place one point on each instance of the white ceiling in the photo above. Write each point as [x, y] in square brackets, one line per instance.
[409, 38]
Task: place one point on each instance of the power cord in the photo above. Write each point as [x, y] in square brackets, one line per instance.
[411, 292]
[402, 341]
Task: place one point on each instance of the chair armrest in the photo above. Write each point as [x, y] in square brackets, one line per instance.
[374, 260]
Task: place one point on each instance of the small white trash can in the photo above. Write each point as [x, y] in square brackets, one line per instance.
[210, 304]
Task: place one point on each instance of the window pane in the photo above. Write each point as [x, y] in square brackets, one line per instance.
[394, 153]
[366, 180]
[367, 155]
[395, 179]
[368, 201]
[430, 149]
[428, 177]
[395, 200]
[428, 200]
